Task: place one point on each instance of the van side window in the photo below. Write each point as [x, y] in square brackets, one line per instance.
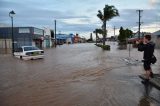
[20, 50]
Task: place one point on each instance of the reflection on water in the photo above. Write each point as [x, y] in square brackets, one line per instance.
[144, 101]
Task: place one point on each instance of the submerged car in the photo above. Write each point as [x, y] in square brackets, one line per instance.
[29, 52]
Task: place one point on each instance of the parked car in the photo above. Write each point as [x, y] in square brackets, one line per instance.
[29, 52]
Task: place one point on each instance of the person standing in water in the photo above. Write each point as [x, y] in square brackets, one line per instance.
[148, 48]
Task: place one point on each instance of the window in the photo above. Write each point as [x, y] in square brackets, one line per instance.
[30, 48]
[38, 31]
[24, 30]
[19, 50]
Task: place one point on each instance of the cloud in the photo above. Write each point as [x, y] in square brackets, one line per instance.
[77, 21]
[154, 2]
[129, 18]
[71, 15]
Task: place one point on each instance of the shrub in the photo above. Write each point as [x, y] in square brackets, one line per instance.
[105, 47]
[99, 45]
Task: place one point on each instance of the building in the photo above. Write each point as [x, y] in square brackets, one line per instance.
[23, 36]
[156, 38]
[48, 36]
[64, 38]
[70, 39]
[76, 39]
[82, 40]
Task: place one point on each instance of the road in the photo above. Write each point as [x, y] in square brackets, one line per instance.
[76, 75]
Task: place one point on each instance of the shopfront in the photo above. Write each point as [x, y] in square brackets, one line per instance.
[23, 36]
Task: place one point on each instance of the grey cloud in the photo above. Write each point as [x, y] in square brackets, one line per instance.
[61, 26]
[149, 16]
[35, 14]
[129, 18]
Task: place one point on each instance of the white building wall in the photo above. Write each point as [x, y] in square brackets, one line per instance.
[156, 39]
[33, 43]
[47, 32]
[69, 40]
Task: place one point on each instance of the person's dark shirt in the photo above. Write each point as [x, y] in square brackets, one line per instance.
[148, 50]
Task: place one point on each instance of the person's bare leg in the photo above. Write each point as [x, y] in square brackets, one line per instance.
[148, 74]
[151, 73]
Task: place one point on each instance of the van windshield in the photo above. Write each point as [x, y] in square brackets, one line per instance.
[30, 48]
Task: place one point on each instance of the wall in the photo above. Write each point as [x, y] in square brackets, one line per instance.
[156, 38]
[47, 38]
[5, 46]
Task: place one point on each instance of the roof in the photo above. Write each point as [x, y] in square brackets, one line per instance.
[156, 33]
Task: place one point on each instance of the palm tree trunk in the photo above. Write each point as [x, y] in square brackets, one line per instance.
[104, 32]
[96, 37]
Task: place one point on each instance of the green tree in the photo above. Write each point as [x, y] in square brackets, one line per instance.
[124, 34]
[121, 36]
[108, 13]
[128, 33]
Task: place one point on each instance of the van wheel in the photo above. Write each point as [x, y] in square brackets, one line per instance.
[21, 57]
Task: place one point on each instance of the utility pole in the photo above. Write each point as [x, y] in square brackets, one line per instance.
[139, 23]
[96, 36]
[11, 14]
[55, 33]
[114, 30]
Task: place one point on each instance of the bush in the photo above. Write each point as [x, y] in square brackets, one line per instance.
[99, 45]
[105, 47]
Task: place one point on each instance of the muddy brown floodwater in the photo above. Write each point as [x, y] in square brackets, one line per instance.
[76, 75]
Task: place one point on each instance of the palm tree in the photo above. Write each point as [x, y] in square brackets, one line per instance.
[97, 31]
[108, 13]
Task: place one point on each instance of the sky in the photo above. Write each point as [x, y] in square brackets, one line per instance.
[80, 16]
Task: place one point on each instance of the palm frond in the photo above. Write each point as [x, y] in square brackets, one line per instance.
[110, 12]
[100, 15]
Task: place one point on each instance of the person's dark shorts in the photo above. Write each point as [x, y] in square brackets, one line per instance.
[147, 65]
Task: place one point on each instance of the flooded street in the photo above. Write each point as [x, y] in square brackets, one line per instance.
[76, 75]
